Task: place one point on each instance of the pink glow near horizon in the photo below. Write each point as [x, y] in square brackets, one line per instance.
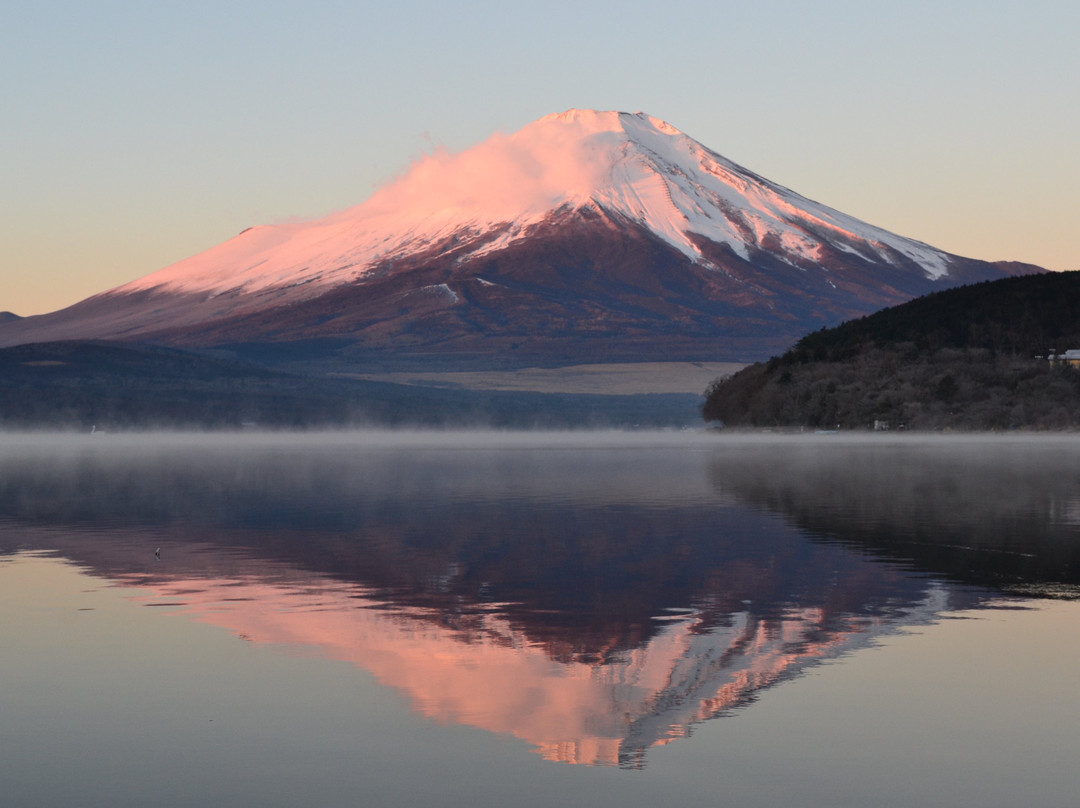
[172, 155]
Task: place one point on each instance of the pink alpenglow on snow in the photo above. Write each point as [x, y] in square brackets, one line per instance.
[584, 235]
[633, 165]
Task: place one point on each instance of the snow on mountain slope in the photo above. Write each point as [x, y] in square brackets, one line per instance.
[584, 236]
[630, 165]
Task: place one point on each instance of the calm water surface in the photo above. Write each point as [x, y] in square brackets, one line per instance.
[534, 619]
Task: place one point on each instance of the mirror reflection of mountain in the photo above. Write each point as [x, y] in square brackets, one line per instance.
[593, 598]
[1002, 512]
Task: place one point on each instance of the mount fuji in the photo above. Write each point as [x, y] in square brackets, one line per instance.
[584, 237]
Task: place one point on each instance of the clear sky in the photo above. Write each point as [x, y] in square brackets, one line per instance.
[135, 134]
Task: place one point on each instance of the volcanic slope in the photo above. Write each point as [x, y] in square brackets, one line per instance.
[584, 237]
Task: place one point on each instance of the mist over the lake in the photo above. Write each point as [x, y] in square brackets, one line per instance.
[635, 600]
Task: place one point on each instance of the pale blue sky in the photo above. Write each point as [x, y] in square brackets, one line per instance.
[135, 134]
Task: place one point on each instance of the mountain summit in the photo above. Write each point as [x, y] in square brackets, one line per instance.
[585, 236]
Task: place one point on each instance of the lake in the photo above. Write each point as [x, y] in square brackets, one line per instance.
[492, 619]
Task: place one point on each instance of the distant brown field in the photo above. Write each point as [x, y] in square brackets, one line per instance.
[612, 379]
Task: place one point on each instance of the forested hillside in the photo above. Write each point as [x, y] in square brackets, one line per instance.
[968, 358]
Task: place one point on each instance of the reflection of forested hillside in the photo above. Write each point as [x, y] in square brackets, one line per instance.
[1002, 513]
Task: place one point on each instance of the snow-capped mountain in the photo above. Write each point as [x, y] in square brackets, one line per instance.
[585, 235]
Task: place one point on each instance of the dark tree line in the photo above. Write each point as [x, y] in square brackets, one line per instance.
[968, 358]
[117, 386]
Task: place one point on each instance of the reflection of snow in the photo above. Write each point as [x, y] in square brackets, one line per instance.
[493, 678]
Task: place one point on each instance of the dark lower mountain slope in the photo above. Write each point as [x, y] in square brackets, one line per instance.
[967, 358]
[585, 286]
[587, 236]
